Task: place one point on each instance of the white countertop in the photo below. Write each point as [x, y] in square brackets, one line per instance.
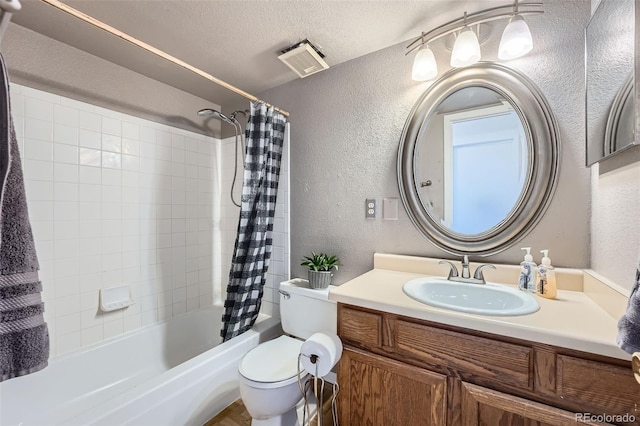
[573, 320]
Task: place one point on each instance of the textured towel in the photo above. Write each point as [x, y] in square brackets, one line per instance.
[24, 337]
[629, 324]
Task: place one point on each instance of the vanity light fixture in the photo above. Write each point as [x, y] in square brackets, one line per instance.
[466, 50]
[516, 39]
[424, 66]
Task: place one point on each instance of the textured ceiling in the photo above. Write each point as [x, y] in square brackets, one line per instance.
[238, 41]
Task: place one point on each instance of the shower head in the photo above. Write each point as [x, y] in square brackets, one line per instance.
[206, 112]
[243, 112]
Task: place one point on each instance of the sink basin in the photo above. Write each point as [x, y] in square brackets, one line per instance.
[483, 299]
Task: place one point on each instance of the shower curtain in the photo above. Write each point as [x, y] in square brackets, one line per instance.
[264, 136]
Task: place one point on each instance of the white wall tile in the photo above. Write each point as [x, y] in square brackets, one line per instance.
[111, 126]
[35, 149]
[108, 196]
[130, 131]
[130, 146]
[89, 193]
[92, 335]
[65, 211]
[65, 172]
[89, 139]
[90, 175]
[41, 210]
[68, 248]
[111, 177]
[89, 211]
[68, 323]
[90, 121]
[66, 343]
[147, 134]
[38, 94]
[65, 134]
[39, 190]
[68, 116]
[64, 229]
[38, 108]
[65, 153]
[111, 143]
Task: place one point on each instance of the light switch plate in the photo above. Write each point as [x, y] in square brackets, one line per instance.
[390, 208]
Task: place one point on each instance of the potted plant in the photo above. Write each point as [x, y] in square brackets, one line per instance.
[320, 266]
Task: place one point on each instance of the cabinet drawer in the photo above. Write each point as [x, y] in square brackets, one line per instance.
[475, 357]
[359, 327]
[601, 387]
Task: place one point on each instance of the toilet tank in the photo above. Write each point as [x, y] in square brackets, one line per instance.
[305, 311]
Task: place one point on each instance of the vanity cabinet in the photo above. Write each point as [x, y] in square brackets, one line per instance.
[397, 370]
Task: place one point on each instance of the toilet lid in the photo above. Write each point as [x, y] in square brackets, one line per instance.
[272, 361]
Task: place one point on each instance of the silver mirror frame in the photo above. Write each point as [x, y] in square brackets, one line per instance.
[543, 142]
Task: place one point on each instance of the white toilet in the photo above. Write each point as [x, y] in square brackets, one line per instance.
[268, 373]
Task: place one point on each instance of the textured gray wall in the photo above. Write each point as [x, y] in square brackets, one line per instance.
[347, 122]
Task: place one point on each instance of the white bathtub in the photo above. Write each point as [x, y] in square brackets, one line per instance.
[174, 373]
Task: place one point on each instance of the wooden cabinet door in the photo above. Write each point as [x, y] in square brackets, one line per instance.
[486, 407]
[378, 391]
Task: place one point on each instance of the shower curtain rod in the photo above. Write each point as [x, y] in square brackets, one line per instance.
[126, 37]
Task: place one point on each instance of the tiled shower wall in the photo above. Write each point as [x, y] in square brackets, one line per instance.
[279, 264]
[113, 200]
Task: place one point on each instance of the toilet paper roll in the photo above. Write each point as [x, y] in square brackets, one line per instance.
[635, 366]
[328, 350]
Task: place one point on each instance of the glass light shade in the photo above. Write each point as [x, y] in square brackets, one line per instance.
[516, 39]
[424, 65]
[466, 50]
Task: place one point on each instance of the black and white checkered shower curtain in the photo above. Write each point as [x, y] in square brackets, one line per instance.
[264, 136]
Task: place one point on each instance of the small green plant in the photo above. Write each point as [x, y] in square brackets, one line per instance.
[320, 262]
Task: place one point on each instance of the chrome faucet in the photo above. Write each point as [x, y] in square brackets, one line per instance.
[466, 273]
[478, 275]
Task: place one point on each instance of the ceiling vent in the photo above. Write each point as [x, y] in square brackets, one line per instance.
[304, 59]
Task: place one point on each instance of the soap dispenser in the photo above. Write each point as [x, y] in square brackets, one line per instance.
[546, 280]
[527, 272]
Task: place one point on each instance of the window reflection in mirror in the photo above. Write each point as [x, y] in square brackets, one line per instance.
[471, 161]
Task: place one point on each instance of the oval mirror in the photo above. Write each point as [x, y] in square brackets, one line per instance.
[478, 159]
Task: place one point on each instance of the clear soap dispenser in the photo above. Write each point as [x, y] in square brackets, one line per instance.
[546, 282]
[527, 272]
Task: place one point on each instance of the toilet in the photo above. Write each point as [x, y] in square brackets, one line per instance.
[268, 374]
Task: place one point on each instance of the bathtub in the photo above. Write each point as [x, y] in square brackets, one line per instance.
[173, 373]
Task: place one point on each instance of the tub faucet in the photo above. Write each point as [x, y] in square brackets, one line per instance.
[465, 277]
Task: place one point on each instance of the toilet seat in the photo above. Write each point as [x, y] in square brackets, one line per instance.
[272, 364]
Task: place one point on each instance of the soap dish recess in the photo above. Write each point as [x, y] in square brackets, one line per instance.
[114, 298]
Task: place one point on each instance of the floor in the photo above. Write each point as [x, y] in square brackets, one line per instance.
[236, 415]
[233, 415]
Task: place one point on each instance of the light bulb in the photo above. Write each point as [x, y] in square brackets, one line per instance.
[466, 50]
[516, 39]
[424, 65]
